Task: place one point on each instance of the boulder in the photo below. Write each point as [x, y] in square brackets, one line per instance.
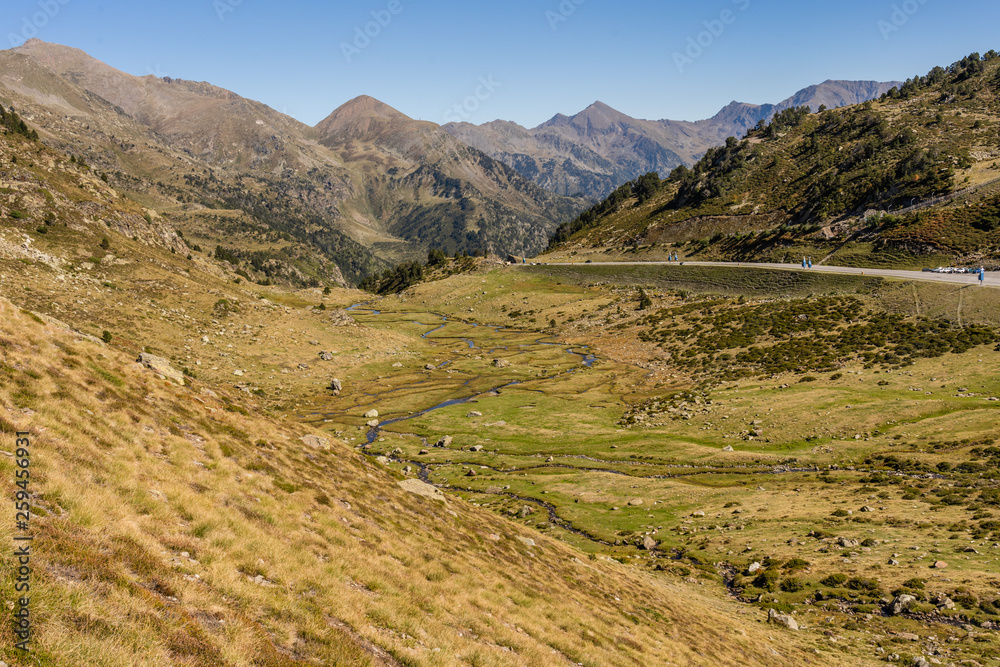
[939, 565]
[371, 423]
[635, 502]
[648, 543]
[754, 567]
[476, 448]
[900, 604]
[471, 473]
[782, 619]
[847, 543]
[429, 367]
[728, 448]
[371, 414]
[336, 386]
[161, 366]
[474, 413]
[445, 441]
[315, 441]
[398, 364]
[424, 452]
[421, 489]
[340, 318]
[501, 363]
[525, 511]
[325, 356]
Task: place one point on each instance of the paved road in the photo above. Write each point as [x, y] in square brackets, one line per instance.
[992, 279]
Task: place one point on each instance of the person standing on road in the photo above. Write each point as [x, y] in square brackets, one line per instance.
[982, 275]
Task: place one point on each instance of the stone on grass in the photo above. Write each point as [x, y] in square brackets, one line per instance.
[371, 414]
[421, 489]
[635, 502]
[939, 565]
[315, 441]
[161, 366]
[900, 604]
[754, 567]
[648, 543]
[445, 441]
[728, 448]
[781, 619]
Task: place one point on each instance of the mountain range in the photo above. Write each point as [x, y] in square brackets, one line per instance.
[598, 149]
[366, 187]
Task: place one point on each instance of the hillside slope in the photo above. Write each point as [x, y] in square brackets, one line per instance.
[600, 148]
[909, 176]
[180, 519]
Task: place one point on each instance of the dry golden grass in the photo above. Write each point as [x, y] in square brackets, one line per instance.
[132, 472]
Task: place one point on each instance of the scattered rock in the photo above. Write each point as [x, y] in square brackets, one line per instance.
[847, 543]
[781, 619]
[525, 511]
[445, 441]
[161, 366]
[371, 414]
[429, 367]
[421, 489]
[494, 490]
[944, 602]
[550, 459]
[474, 413]
[476, 448]
[303, 367]
[340, 318]
[635, 502]
[754, 567]
[900, 604]
[939, 565]
[866, 508]
[471, 473]
[970, 550]
[526, 541]
[648, 543]
[398, 364]
[893, 561]
[501, 363]
[728, 448]
[315, 441]
[204, 339]
[326, 356]
[371, 423]
[424, 452]
[238, 373]
[921, 661]
[336, 386]
[698, 513]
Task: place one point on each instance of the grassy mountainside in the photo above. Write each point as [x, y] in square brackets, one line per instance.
[913, 173]
[200, 521]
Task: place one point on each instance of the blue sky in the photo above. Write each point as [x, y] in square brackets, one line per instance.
[516, 60]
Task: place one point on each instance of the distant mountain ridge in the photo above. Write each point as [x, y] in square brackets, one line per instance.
[367, 185]
[598, 149]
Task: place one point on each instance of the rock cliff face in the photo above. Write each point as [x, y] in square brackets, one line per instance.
[600, 148]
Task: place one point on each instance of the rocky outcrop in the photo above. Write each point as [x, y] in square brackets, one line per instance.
[161, 366]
